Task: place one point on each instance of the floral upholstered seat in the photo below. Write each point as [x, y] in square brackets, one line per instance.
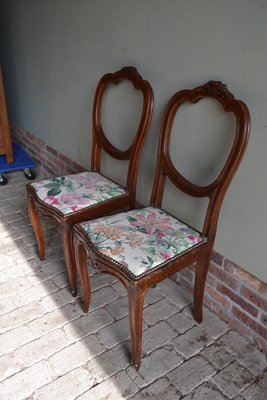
[141, 241]
[72, 193]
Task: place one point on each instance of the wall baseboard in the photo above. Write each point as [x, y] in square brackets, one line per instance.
[232, 293]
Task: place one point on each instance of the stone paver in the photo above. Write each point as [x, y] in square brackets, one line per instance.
[155, 365]
[191, 342]
[76, 355]
[50, 349]
[118, 387]
[159, 311]
[205, 392]
[233, 379]
[156, 336]
[180, 322]
[255, 391]
[66, 387]
[24, 383]
[161, 389]
[115, 333]
[191, 374]
[42, 348]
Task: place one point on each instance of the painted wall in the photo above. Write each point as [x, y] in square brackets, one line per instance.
[54, 52]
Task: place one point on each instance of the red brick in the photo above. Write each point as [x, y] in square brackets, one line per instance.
[27, 141]
[52, 167]
[36, 147]
[30, 136]
[247, 320]
[263, 288]
[224, 276]
[64, 158]
[51, 150]
[218, 297]
[50, 170]
[38, 141]
[69, 170]
[36, 160]
[49, 155]
[40, 159]
[59, 164]
[187, 274]
[216, 309]
[254, 298]
[264, 319]
[211, 281]
[239, 327]
[217, 258]
[237, 299]
[242, 275]
[77, 167]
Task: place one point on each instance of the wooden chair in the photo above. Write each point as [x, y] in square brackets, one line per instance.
[77, 197]
[142, 247]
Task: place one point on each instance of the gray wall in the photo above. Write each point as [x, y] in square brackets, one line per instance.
[54, 51]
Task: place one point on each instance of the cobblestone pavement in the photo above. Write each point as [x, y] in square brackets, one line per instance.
[50, 349]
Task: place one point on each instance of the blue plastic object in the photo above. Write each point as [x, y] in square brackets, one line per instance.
[21, 160]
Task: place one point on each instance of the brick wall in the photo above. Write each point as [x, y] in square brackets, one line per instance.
[236, 296]
[46, 157]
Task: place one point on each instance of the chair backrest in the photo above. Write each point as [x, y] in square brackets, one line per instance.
[215, 190]
[101, 142]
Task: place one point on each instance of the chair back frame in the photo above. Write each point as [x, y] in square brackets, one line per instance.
[216, 190]
[100, 141]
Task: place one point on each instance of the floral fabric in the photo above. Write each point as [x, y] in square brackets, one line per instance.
[75, 192]
[141, 240]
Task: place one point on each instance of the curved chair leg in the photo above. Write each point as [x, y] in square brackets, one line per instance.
[136, 297]
[81, 263]
[200, 280]
[37, 227]
[66, 233]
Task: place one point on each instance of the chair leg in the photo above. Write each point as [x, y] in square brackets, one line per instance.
[81, 264]
[66, 233]
[136, 296]
[200, 280]
[37, 227]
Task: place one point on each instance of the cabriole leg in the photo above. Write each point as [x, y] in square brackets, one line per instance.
[200, 280]
[66, 233]
[136, 296]
[37, 227]
[81, 263]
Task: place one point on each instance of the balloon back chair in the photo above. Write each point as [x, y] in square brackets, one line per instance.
[86, 195]
[144, 246]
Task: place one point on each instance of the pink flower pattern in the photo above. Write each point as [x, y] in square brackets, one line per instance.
[77, 191]
[145, 239]
[152, 222]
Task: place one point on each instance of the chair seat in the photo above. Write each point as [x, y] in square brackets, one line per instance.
[75, 192]
[140, 241]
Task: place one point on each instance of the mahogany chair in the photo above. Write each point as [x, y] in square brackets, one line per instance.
[78, 197]
[144, 246]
